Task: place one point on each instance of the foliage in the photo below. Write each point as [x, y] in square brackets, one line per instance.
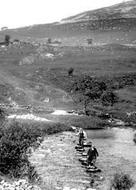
[49, 40]
[14, 142]
[109, 98]
[122, 182]
[16, 40]
[87, 89]
[7, 39]
[131, 118]
[2, 114]
[15, 139]
[120, 81]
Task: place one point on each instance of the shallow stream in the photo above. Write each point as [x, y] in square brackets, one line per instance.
[117, 151]
[117, 141]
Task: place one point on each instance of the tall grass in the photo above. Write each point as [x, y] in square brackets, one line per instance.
[15, 139]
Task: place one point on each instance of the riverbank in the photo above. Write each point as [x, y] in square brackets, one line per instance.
[16, 139]
[56, 162]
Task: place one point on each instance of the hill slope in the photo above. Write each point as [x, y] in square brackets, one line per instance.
[107, 25]
[122, 10]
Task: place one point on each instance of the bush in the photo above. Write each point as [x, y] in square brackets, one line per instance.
[3, 115]
[109, 98]
[7, 39]
[70, 71]
[15, 139]
[122, 182]
[131, 119]
[87, 89]
[49, 40]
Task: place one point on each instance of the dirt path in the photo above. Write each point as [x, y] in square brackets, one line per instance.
[56, 161]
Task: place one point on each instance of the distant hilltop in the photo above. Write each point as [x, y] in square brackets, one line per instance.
[127, 9]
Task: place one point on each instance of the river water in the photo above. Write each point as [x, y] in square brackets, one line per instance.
[117, 151]
[118, 141]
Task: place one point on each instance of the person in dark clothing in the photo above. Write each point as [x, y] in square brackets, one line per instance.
[82, 137]
[92, 155]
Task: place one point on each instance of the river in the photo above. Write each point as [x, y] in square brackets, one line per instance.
[117, 141]
[117, 151]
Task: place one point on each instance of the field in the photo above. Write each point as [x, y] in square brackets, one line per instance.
[34, 79]
[38, 75]
[47, 74]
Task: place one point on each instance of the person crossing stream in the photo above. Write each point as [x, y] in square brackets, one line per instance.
[89, 158]
[56, 162]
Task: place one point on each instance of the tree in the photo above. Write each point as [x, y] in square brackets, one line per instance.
[49, 40]
[89, 41]
[86, 89]
[70, 71]
[109, 98]
[7, 39]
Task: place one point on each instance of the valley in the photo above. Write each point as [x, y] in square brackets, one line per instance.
[38, 70]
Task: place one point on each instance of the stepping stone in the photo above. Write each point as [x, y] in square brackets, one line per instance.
[66, 188]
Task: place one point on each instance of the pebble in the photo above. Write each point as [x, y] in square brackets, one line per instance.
[58, 188]
[21, 184]
[66, 188]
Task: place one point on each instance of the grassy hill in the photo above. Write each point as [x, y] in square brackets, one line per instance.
[115, 24]
[38, 76]
[35, 73]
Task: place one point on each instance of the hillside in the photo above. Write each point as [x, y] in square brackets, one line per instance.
[38, 75]
[107, 25]
[35, 73]
[123, 10]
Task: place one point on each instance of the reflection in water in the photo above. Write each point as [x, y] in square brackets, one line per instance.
[116, 141]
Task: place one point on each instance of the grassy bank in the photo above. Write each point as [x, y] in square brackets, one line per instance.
[15, 139]
[86, 122]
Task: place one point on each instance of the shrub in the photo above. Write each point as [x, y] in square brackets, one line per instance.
[87, 89]
[131, 119]
[109, 98]
[15, 139]
[122, 182]
[7, 39]
[70, 71]
[3, 115]
[49, 40]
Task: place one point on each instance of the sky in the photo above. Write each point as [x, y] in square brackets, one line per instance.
[19, 13]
